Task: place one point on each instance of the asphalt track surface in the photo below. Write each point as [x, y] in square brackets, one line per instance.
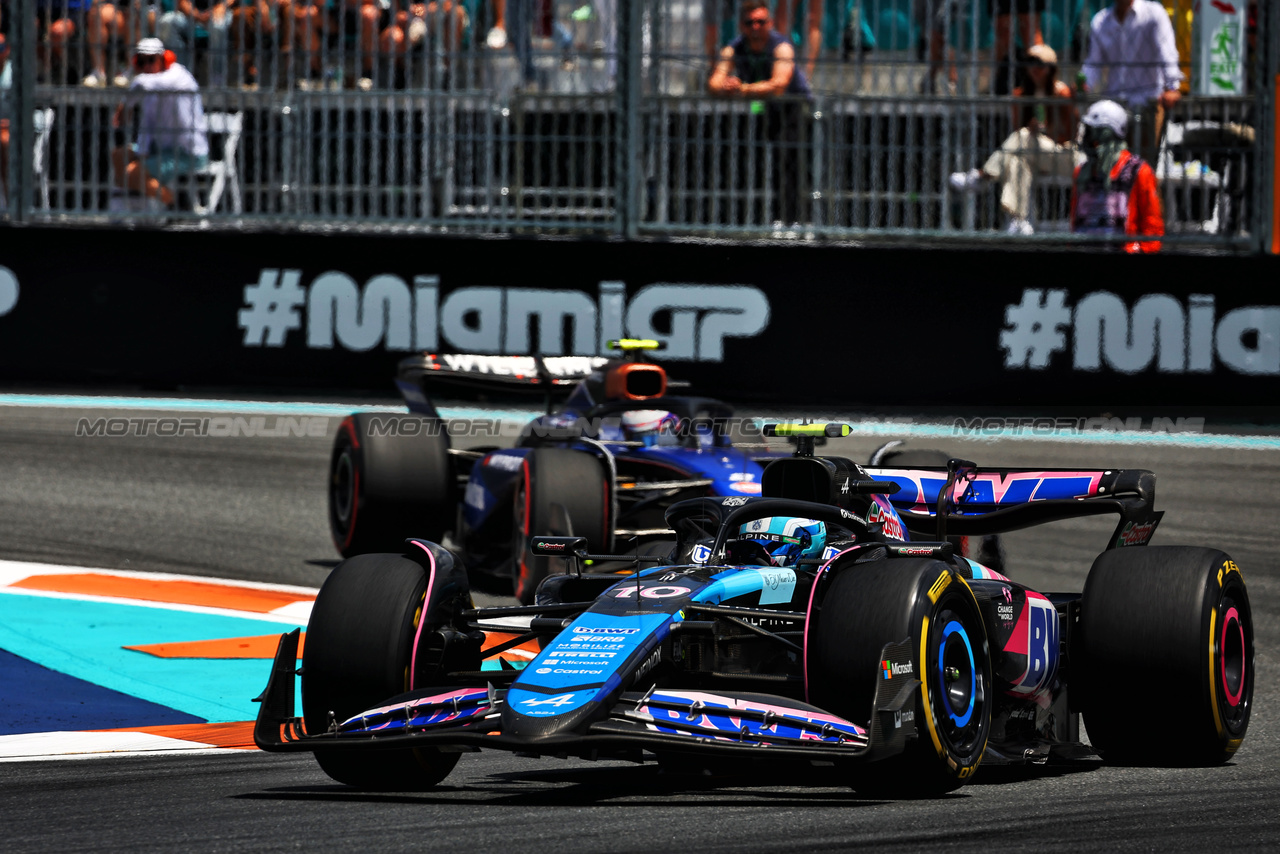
[254, 508]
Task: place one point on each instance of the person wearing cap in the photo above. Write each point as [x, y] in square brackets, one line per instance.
[1114, 191]
[172, 132]
[1042, 146]
[1133, 59]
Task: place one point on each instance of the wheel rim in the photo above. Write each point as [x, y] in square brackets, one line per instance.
[342, 488]
[959, 695]
[1232, 673]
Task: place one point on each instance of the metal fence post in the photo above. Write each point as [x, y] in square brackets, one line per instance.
[22, 123]
[628, 162]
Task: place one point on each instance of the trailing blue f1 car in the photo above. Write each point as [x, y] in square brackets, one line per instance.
[894, 659]
[604, 462]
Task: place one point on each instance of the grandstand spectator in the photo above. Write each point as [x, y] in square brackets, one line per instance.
[172, 138]
[107, 29]
[177, 28]
[1133, 58]
[519, 34]
[1042, 146]
[760, 64]
[1025, 14]
[713, 11]
[935, 18]
[413, 28]
[55, 27]
[1114, 191]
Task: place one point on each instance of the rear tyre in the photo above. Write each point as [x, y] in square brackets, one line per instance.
[1172, 622]
[359, 651]
[390, 477]
[563, 493]
[868, 605]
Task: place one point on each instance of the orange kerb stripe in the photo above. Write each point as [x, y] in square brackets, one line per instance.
[492, 639]
[173, 592]
[259, 646]
[238, 734]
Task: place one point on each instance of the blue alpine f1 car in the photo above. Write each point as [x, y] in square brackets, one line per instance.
[613, 451]
[826, 621]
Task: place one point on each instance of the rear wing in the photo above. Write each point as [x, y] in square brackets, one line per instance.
[461, 372]
[966, 499]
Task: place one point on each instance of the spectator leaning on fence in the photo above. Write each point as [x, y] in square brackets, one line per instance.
[1114, 190]
[172, 137]
[1042, 146]
[760, 64]
[1133, 59]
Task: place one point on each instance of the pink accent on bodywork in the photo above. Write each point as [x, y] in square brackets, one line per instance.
[435, 699]
[426, 602]
[812, 591]
[783, 711]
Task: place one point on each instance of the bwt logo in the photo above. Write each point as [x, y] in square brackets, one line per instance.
[1157, 330]
[691, 319]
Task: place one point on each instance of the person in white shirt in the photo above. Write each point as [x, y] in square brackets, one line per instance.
[1133, 58]
[172, 131]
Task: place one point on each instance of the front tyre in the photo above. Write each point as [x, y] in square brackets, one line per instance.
[868, 605]
[1172, 623]
[369, 617]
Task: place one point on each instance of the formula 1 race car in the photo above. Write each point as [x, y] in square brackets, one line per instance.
[896, 661]
[603, 464]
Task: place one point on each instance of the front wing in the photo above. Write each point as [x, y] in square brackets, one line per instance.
[662, 719]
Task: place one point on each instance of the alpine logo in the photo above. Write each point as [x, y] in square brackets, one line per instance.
[893, 668]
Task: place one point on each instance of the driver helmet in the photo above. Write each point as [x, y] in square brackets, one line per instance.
[648, 425]
[787, 539]
[1105, 121]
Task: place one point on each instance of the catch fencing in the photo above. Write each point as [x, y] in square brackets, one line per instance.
[598, 120]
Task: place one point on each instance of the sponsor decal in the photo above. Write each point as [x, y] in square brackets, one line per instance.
[776, 585]
[745, 486]
[829, 552]
[548, 547]
[1036, 636]
[880, 513]
[738, 476]
[1158, 331]
[915, 551]
[1135, 535]
[396, 315]
[1005, 613]
[505, 462]
[610, 630]
[543, 670]
[649, 663]
[700, 554]
[732, 502]
[905, 716]
[891, 669]
[1226, 569]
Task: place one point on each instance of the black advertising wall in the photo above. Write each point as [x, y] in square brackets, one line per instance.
[826, 324]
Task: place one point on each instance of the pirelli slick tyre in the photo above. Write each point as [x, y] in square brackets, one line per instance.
[390, 477]
[867, 605]
[369, 617]
[1171, 624]
[562, 493]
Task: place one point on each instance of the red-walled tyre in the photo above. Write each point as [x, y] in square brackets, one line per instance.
[563, 493]
[390, 477]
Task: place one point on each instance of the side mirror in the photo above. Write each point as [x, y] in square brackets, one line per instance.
[558, 546]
